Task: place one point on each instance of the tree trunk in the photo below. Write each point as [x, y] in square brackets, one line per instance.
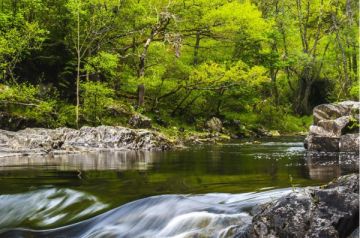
[303, 102]
[78, 67]
[141, 95]
[275, 91]
[196, 48]
[303, 106]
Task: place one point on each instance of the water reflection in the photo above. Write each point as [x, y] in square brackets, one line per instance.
[117, 160]
[117, 178]
[327, 166]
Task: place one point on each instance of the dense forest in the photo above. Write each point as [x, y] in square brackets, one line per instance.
[180, 62]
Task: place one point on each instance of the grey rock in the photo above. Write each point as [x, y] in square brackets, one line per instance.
[329, 211]
[39, 140]
[322, 143]
[335, 128]
[214, 124]
[330, 112]
[140, 121]
[355, 234]
[349, 143]
[319, 131]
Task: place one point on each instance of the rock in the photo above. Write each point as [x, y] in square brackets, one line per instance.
[329, 211]
[274, 133]
[39, 140]
[319, 131]
[260, 132]
[335, 128]
[330, 112]
[350, 104]
[355, 234]
[214, 124]
[322, 143]
[349, 143]
[140, 121]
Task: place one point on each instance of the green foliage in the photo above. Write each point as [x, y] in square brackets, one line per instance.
[66, 116]
[15, 44]
[258, 62]
[355, 92]
[104, 63]
[96, 97]
[29, 103]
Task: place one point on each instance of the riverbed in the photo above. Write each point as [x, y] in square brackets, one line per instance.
[206, 190]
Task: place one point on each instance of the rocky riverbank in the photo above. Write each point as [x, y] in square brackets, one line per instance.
[66, 140]
[329, 211]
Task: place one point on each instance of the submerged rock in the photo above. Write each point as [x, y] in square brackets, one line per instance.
[328, 211]
[335, 129]
[39, 140]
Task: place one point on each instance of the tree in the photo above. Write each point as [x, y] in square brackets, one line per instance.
[92, 24]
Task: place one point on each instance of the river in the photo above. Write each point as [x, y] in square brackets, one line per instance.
[204, 190]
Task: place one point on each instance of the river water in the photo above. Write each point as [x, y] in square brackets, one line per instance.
[200, 191]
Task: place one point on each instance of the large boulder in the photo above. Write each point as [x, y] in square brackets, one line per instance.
[214, 124]
[335, 128]
[329, 211]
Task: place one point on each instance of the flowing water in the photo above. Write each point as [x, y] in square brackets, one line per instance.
[201, 191]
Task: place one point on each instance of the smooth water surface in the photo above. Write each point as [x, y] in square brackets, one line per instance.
[208, 188]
